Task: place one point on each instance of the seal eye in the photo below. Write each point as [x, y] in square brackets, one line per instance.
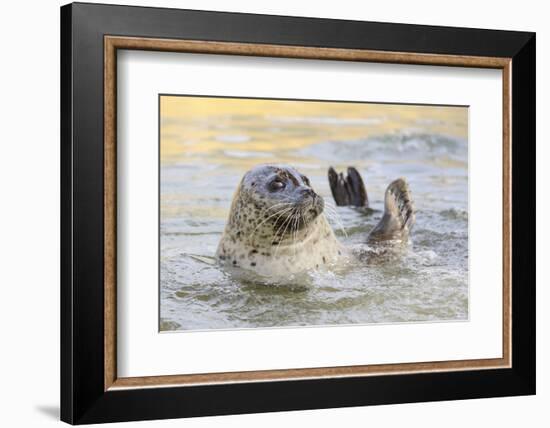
[276, 185]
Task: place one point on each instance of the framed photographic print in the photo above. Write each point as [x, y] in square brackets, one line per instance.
[265, 213]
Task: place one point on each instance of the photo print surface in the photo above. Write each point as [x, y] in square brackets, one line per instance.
[294, 213]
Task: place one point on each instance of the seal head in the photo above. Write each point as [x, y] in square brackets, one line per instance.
[276, 221]
[279, 195]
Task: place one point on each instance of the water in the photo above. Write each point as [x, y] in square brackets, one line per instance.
[208, 144]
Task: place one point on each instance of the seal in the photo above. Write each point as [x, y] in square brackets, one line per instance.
[277, 226]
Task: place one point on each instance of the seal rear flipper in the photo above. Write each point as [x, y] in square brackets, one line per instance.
[398, 218]
[348, 190]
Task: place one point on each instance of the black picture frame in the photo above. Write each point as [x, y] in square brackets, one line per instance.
[83, 398]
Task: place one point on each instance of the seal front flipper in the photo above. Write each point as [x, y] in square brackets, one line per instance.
[348, 190]
[398, 217]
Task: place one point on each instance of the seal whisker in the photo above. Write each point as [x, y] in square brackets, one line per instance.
[302, 219]
[277, 220]
[279, 214]
[295, 236]
[332, 213]
[276, 234]
[276, 206]
[334, 217]
[281, 210]
[287, 221]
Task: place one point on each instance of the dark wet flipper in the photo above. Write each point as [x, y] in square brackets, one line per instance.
[358, 194]
[348, 190]
[398, 218]
[338, 187]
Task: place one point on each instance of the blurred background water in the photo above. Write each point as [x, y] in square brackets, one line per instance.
[207, 144]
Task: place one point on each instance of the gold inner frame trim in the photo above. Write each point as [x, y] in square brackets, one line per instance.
[113, 43]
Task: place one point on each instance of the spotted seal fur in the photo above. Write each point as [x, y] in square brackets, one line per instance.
[277, 225]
